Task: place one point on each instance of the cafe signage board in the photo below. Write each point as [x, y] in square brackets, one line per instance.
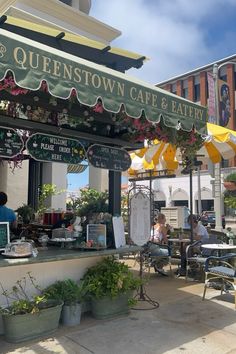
[11, 143]
[97, 234]
[4, 235]
[51, 148]
[109, 158]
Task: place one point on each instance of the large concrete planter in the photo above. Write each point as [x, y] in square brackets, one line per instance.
[108, 307]
[71, 315]
[19, 328]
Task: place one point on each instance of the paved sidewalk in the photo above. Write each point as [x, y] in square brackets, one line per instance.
[182, 323]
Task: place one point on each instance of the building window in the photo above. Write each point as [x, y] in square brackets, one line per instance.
[185, 92]
[67, 2]
[223, 78]
[173, 88]
[224, 163]
[196, 92]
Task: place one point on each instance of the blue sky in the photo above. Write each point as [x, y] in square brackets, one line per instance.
[177, 35]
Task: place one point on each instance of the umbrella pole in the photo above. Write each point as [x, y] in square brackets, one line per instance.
[191, 202]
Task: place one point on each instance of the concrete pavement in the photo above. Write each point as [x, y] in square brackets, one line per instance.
[183, 322]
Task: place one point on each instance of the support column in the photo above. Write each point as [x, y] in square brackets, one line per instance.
[114, 193]
[55, 173]
[98, 179]
[3, 176]
[34, 182]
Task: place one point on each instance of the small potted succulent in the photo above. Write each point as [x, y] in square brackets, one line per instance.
[110, 285]
[70, 293]
[28, 316]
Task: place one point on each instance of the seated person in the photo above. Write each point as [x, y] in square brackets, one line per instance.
[7, 214]
[158, 238]
[199, 231]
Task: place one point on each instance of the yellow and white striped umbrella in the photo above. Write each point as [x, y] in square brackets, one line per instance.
[219, 143]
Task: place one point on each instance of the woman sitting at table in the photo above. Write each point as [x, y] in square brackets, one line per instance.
[159, 253]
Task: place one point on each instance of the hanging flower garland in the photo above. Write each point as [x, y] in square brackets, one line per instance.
[9, 85]
[141, 129]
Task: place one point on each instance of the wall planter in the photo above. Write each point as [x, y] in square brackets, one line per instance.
[71, 315]
[19, 328]
[108, 307]
[230, 185]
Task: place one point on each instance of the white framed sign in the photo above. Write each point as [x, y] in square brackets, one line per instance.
[119, 231]
[98, 234]
[140, 219]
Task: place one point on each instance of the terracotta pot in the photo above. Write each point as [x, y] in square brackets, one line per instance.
[231, 186]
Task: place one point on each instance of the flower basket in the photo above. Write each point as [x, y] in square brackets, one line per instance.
[230, 185]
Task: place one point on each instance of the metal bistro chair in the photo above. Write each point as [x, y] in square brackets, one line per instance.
[157, 261]
[197, 261]
[220, 268]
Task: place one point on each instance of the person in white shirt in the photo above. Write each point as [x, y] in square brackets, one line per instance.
[199, 231]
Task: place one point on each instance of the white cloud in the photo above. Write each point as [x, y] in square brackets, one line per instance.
[172, 33]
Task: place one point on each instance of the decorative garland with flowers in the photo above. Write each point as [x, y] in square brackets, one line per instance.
[135, 130]
[140, 129]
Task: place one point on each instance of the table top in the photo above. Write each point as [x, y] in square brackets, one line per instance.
[179, 240]
[219, 246]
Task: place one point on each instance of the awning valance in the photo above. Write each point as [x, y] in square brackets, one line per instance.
[32, 62]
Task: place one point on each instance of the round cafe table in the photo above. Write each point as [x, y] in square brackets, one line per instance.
[220, 248]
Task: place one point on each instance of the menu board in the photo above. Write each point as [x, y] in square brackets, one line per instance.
[44, 147]
[109, 158]
[4, 234]
[97, 234]
[11, 143]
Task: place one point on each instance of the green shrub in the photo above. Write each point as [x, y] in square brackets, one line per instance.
[67, 291]
[109, 278]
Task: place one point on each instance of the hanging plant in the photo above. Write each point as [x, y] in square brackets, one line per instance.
[141, 129]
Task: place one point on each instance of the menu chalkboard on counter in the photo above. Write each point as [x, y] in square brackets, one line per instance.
[11, 143]
[44, 147]
[4, 235]
[109, 158]
[97, 234]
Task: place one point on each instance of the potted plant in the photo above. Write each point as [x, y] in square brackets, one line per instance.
[26, 212]
[110, 285]
[70, 293]
[26, 317]
[230, 182]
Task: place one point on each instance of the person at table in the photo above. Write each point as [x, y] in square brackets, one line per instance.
[199, 231]
[159, 253]
[7, 214]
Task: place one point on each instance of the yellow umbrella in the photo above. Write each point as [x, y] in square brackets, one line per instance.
[219, 143]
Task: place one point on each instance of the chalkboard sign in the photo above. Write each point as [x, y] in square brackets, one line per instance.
[11, 143]
[109, 158]
[97, 234]
[44, 147]
[4, 234]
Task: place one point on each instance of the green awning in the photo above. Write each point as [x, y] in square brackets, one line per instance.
[31, 63]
